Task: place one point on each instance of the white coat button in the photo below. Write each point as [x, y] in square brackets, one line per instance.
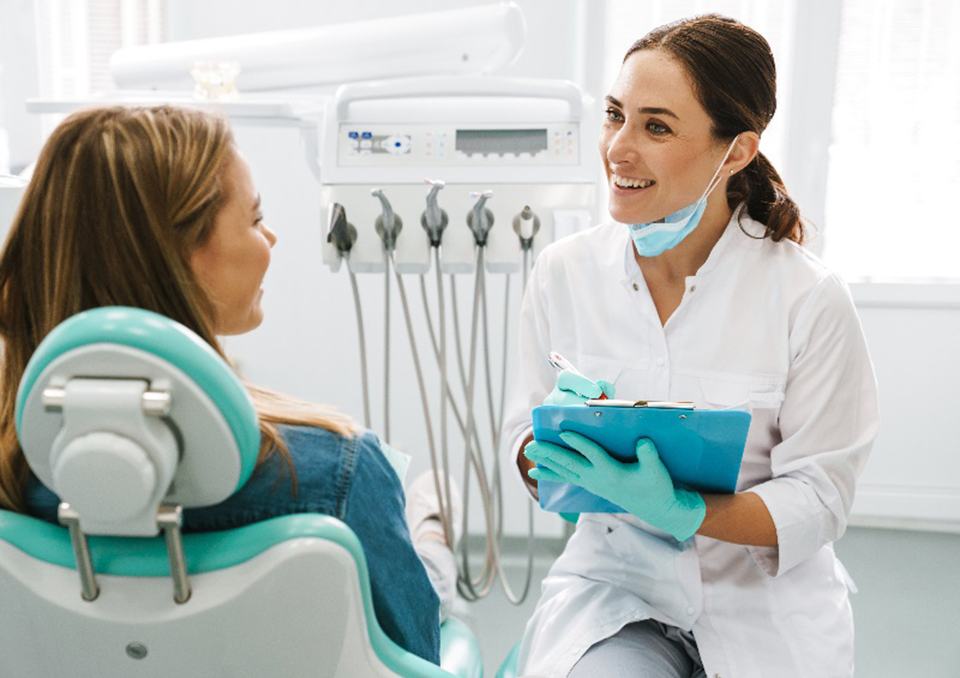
[660, 362]
[636, 287]
[690, 610]
[693, 288]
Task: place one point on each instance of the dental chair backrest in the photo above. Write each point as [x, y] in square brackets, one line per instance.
[129, 417]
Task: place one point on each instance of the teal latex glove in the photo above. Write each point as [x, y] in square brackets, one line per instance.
[575, 389]
[643, 488]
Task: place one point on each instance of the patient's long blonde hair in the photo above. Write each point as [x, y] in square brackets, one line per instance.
[119, 199]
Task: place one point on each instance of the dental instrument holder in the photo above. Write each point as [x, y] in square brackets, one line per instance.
[526, 215]
[388, 224]
[434, 218]
[340, 232]
[480, 218]
[520, 137]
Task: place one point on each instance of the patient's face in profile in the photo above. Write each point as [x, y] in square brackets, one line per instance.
[231, 264]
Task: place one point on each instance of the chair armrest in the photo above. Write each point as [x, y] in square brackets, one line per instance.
[508, 669]
[459, 650]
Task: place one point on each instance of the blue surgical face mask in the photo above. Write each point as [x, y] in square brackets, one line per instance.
[656, 237]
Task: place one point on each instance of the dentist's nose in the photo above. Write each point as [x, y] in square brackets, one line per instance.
[620, 149]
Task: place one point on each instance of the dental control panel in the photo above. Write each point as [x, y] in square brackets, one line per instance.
[457, 164]
[440, 145]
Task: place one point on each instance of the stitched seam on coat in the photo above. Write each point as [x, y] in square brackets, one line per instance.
[348, 464]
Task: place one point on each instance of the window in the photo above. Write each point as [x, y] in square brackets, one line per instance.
[76, 38]
[894, 160]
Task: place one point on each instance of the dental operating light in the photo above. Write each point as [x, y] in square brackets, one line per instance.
[474, 40]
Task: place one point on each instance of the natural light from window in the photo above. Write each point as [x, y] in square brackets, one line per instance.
[895, 157]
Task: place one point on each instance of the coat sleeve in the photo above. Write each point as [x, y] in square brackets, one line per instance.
[828, 423]
[533, 376]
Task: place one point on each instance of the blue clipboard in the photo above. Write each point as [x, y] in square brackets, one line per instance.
[702, 449]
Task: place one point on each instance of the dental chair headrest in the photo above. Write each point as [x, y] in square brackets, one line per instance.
[120, 410]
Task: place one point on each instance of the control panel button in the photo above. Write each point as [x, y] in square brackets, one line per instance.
[397, 144]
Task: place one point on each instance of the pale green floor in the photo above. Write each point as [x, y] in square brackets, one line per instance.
[907, 611]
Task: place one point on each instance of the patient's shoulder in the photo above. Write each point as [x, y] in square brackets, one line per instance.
[309, 438]
[326, 456]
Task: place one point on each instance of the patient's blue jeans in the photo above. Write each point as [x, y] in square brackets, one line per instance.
[349, 479]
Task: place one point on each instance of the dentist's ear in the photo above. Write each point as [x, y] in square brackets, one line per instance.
[745, 149]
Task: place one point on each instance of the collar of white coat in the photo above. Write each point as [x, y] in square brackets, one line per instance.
[741, 231]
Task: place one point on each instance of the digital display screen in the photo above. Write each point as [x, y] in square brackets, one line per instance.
[479, 141]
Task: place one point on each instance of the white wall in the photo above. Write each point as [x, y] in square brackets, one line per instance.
[912, 479]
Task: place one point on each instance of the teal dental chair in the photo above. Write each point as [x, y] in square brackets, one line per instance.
[129, 417]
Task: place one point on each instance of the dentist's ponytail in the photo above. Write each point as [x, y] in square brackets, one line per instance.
[734, 75]
[760, 186]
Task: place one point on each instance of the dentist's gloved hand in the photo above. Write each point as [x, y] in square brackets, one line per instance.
[575, 389]
[643, 488]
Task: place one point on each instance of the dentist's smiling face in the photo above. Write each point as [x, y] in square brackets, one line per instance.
[656, 142]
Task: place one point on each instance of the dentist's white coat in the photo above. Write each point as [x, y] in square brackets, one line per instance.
[763, 324]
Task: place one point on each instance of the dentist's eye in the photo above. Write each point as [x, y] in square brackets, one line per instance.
[613, 115]
[657, 129]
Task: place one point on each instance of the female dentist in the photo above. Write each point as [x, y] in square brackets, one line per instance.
[707, 294]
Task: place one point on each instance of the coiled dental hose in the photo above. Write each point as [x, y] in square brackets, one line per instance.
[474, 588]
[387, 259]
[442, 497]
[361, 338]
[470, 587]
[342, 235]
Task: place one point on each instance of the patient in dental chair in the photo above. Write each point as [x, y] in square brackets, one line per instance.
[155, 208]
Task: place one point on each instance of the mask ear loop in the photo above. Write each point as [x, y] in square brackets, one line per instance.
[717, 176]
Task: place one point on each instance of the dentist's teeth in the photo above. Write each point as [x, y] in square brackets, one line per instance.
[625, 182]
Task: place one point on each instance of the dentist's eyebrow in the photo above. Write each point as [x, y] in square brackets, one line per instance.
[650, 110]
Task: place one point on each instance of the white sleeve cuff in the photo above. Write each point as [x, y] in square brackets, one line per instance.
[801, 521]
